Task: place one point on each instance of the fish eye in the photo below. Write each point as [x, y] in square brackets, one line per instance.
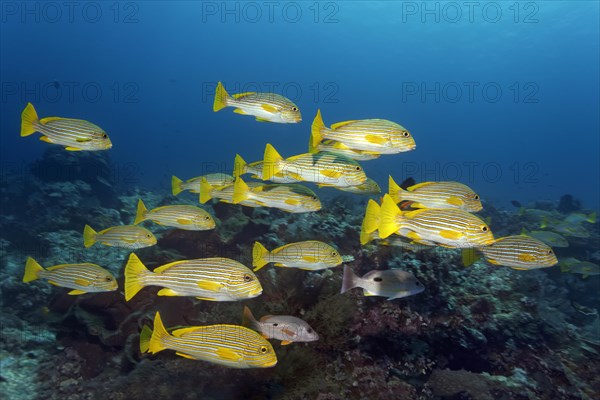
[149, 235]
[206, 218]
[263, 349]
[294, 108]
[405, 134]
[108, 279]
[247, 278]
[334, 253]
[105, 136]
[550, 251]
[377, 279]
[275, 324]
[357, 168]
[484, 228]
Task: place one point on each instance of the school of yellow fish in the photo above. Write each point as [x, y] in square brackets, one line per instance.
[423, 215]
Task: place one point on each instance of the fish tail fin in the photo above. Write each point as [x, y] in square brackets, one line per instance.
[591, 218]
[221, 97]
[394, 190]
[176, 187]
[316, 131]
[159, 335]
[271, 162]
[371, 220]
[366, 237]
[469, 256]
[32, 270]
[564, 268]
[29, 119]
[205, 190]
[248, 319]
[239, 164]
[89, 236]
[145, 336]
[240, 191]
[259, 256]
[388, 221]
[141, 212]
[524, 231]
[350, 279]
[134, 272]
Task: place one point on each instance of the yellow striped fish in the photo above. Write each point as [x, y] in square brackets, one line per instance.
[217, 180]
[339, 148]
[287, 328]
[228, 345]
[518, 252]
[292, 198]
[186, 217]
[311, 255]
[74, 134]
[215, 279]
[437, 195]
[126, 236]
[82, 278]
[327, 169]
[367, 187]
[376, 135]
[266, 107]
[240, 167]
[445, 227]
[224, 194]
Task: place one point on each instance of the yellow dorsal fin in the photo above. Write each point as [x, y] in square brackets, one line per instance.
[50, 119]
[165, 267]
[418, 185]
[240, 95]
[340, 124]
[182, 331]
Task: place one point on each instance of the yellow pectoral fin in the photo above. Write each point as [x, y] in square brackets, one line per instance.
[452, 235]
[167, 292]
[269, 108]
[292, 202]
[455, 201]
[526, 258]
[228, 354]
[83, 140]
[367, 293]
[309, 259]
[240, 111]
[185, 355]
[70, 148]
[210, 286]
[82, 282]
[377, 139]
[262, 119]
[183, 221]
[206, 298]
[295, 176]
[53, 283]
[414, 236]
[46, 139]
[331, 173]
[286, 342]
[76, 292]
[491, 261]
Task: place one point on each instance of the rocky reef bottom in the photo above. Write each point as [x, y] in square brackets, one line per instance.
[479, 332]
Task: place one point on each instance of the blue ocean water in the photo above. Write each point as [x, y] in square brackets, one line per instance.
[501, 96]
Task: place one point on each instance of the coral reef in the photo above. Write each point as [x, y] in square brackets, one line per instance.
[479, 332]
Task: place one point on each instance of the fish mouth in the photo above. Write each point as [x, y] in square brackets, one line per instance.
[256, 292]
[270, 364]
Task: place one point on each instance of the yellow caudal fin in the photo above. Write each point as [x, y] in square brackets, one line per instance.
[259, 256]
[145, 336]
[176, 185]
[591, 218]
[205, 191]
[248, 319]
[388, 220]
[28, 120]
[159, 334]
[316, 131]
[32, 270]
[240, 191]
[89, 236]
[371, 220]
[239, 164]
[141, 212]
[394, 190]
[366, 237]
[271, 162]
[469, 256]
[134, 272]
[221, 98]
